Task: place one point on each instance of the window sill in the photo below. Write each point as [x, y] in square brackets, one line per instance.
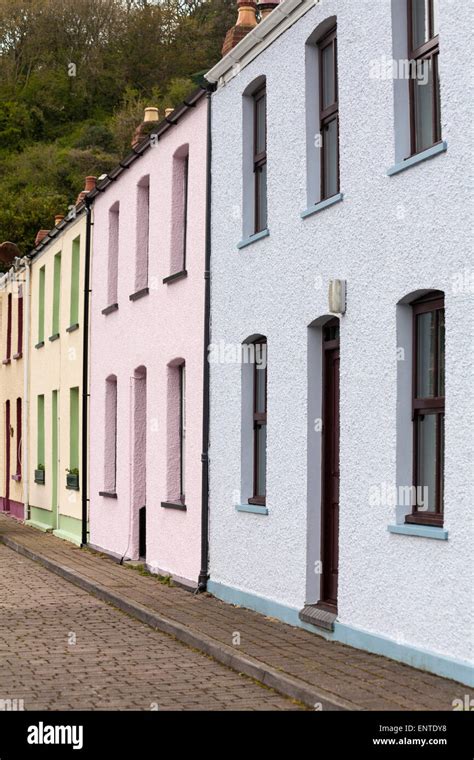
[110, 309]
[174, 505]
[424, 531]
[418, 158]
[322, 205]
[19, 355]
[73, 327]
[72, 488]
[254, 509]
[40, 344]
[16, 478]
[108, 494]
[139, 294]
[175, 276]
[6, 361]
[253, 238]
[53, 337]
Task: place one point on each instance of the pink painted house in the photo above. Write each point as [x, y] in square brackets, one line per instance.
[147, 328]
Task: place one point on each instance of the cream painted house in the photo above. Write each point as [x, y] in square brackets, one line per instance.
[13, 294]
[55, 379]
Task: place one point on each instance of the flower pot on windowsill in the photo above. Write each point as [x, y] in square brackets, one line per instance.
[72, 481]
[39, 476]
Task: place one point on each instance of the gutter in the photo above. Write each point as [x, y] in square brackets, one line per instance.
[204, 573]
[26, 390]
[85, 373]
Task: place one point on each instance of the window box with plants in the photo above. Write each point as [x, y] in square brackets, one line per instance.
[72, 479]
[39, 475]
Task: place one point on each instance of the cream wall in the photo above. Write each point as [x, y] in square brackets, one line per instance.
[11, 388]
[57, 365]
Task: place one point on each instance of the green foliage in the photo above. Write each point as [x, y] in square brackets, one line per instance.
[75, 78]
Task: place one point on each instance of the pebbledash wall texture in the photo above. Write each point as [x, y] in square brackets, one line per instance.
[147, 320]
[392, 235]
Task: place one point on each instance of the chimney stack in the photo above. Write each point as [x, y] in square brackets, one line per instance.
[40, 235]
[266, 8]
[151, 117]
[90, 185]
[246, 21]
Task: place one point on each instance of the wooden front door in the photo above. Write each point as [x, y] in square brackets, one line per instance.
[330, 468]
[6, 505]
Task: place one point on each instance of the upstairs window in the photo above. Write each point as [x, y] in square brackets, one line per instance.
[113, 254]
[428, 403]
[329, 115]
[260, 158]
[8, 355]
[19, 344]
[142, 234]
[423, 52]
[179, 212]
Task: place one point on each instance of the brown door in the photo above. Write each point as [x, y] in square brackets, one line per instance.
[330, 474]
[6, 505]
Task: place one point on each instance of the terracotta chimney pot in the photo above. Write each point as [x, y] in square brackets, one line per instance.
[40, 235]
[58, 218]
[151, 114]
[168, 111]
[266, 8]
[246, 21]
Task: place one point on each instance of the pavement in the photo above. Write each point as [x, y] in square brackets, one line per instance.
[298, 664]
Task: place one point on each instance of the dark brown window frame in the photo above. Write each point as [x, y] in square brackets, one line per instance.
[432, 302]
[428, 51]
[259, 158]
[9, 326]
[331, 112]
[20, 323]
[259, 421]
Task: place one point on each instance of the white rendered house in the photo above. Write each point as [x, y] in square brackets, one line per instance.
[341, 456]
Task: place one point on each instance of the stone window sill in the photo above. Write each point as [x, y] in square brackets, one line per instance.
[253, 238]
[73, 327]
[174, 505]
[54, 337]
[40, 344]
[322, 205]
[139, 294]
[108, 494]
[175, 276]
[110, 309]
[6, 361]
[255, 509]
[424, 531]
[19, 355]
[418, 158]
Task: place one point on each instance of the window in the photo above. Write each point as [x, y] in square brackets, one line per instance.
[428, 409]
[9, 328]
[19, 345]
[329, 115]
[40, 433]
[142, 234]
[74, 429]
[56, 295]
[259, 422]
[179, 210]
[41, 294]
[176, 434]
[18, 437]
[110, 440]
[260, 158]
[112, 282]
[182, 430]
[75, 264]
[423, 52]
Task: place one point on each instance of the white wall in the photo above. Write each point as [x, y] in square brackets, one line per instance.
[390, 236]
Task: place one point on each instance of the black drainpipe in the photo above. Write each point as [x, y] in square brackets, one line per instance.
[85, 369]
[204, 575]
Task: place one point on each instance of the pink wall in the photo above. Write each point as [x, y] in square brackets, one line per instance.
[136, 343]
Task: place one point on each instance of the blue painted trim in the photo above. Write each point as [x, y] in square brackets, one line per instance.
[423, 659]
[426, 531]
[256, 509]
[418, 158]
[322, 204]
[253, 238]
